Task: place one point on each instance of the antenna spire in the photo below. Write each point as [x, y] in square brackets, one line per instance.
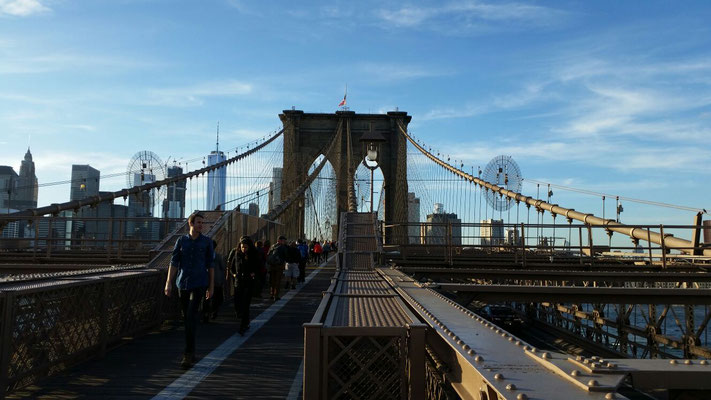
[217, 144]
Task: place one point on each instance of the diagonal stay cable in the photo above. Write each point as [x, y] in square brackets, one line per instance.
[636, 233]
[94, 200]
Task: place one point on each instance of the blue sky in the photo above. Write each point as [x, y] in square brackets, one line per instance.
[608, 96]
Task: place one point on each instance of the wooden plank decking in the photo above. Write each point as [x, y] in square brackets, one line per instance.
[263, 367]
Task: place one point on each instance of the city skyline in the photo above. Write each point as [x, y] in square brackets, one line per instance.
[611, 98]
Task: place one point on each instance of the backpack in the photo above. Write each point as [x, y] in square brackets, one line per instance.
[274, 257]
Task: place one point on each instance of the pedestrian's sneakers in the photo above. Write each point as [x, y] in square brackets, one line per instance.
[188, 360]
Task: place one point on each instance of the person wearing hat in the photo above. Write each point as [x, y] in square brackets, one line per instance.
[244, 266]
[276, 260]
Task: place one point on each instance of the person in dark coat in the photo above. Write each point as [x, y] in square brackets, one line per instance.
[212, 306]
[244, 268]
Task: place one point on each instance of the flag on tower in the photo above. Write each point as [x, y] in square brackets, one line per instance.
[343, 102]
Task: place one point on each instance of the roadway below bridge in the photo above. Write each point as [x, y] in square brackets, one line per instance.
[266, 363]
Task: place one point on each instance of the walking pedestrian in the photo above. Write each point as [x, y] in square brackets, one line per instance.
[262, 274]
[291, 271]
[212, 305]
[318, 250]
[244, 267]
[326, 250]
[304, 250]
[191, 261]
[276, 260]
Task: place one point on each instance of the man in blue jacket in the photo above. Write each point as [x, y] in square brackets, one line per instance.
[192, 262]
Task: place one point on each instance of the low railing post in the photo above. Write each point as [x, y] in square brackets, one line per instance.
[580, 243]
[664, 247]
[523, 244]
[416, 355]
[590, 242]
[110, 238]
[312, 362]
[48, 241]
[104, 320]
[6, 344]
[649, 246]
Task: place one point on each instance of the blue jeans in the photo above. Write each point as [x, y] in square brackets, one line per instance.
[190, 301]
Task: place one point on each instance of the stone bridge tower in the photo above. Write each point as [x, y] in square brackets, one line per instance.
[307, 135]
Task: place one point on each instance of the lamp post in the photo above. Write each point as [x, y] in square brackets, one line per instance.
[371, 143]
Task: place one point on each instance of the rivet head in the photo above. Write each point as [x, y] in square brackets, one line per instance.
[579, 358]
[511, 339]
[704, 362]
[547, 355]
[471, 352]
[522, 396]
[518, 343]
[466, 346]
[533, 349]
[593, 365]
[478, 358]
[672, 361]
[687, 362]
[610, 396]
[459, 342]
[593, 382]
[498, 377]
[586, 361]
[611, 365]
[575, 372]
[510, 386]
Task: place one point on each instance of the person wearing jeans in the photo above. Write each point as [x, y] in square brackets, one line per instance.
[191, 261]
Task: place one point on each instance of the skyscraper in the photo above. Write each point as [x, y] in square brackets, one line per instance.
[436, 230]
[8, 185]
[413, 218]
[275, 188]
[492, 232]
[254, 209]
[27, 188]
[85, 182]
[216, 181]
[143, 203]
[174, 203]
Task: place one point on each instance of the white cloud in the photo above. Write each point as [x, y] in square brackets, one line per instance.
[472, 17]
[195, 95]
[22, 8]
[50, 62]
[396, 71]
[81, 127]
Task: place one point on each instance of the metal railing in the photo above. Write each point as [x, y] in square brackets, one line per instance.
[49, 324]
[585, 243]
[74, 239]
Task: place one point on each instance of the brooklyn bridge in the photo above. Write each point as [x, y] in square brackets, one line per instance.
[494, 295]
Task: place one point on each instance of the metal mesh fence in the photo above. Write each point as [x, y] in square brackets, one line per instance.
[366, 367]
[50, 328]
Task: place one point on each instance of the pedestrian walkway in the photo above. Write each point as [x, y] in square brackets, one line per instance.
[261, 365]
